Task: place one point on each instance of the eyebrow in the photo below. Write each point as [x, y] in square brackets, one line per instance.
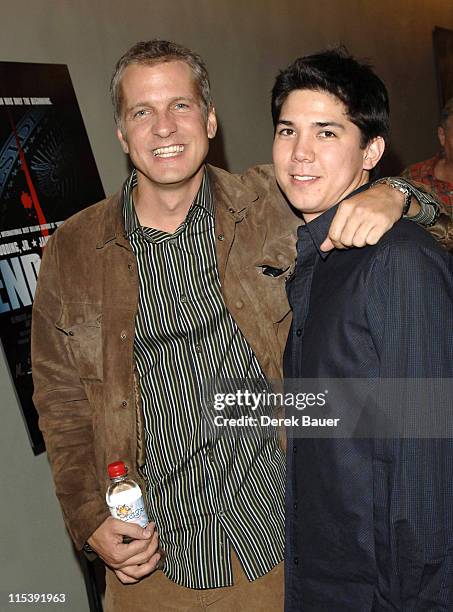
[172, 101]
[314, 124]
[329, 124]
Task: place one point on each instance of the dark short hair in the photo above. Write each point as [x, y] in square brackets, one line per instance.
[338, 73]
[156, 51]
[447, 112]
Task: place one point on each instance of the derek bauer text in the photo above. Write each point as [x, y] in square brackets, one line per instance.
[267, 421]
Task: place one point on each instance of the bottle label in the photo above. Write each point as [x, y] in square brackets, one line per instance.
[131, 511]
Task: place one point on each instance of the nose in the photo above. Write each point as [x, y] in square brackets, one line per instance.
[164, 124]
[303, 150]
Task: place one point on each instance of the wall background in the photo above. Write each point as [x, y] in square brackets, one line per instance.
[244, 43]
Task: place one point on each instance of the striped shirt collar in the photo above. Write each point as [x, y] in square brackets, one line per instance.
[202, 200]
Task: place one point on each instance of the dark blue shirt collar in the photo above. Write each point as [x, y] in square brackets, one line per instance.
[319, 227]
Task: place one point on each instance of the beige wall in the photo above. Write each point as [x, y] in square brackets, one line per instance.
[244, 43]
[36, 555]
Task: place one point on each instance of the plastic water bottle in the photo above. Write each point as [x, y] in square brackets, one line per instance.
[124, 496]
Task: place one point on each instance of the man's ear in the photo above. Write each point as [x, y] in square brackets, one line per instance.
[211, 125]
[373, 152]
[122, 140]
[441, 136]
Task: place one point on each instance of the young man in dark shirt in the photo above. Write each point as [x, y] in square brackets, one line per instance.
[369, 519]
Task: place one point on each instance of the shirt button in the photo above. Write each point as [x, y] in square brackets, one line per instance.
[221, 237]
[124, 403]
[239, 304]
[296, 560]
[173, 241]
[123, 336]
[198, 348]
[294, 448]
[184, 299]
[130, 266]
[210, 454]
[222, 512]
[295, 506]
[299, 332]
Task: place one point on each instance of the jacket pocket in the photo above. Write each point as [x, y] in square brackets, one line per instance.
[81, 323]
[271, 294]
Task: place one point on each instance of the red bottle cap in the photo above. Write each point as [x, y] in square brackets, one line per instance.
[117, 469]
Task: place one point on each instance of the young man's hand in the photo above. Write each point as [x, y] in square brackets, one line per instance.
[131, 561]
[364, 218]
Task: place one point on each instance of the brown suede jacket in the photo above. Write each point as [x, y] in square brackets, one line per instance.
[83, 329]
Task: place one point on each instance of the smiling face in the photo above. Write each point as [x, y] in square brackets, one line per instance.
[317, 152]
[163, 127]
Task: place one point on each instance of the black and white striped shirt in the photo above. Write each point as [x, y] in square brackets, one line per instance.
[206, 493]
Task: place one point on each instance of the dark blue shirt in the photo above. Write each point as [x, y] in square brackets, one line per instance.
[369, 521]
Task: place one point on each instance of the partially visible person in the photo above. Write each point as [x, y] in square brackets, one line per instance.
[437, 172]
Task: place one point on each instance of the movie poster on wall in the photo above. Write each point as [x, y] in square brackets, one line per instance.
[47, 173]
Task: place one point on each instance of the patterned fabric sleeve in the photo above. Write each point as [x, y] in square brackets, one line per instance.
[442, 230]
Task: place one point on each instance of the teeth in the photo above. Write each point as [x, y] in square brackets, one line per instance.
[168, 151]
[304, 177]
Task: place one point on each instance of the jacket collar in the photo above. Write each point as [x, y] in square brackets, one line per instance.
[113, 226]
[230, 196]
